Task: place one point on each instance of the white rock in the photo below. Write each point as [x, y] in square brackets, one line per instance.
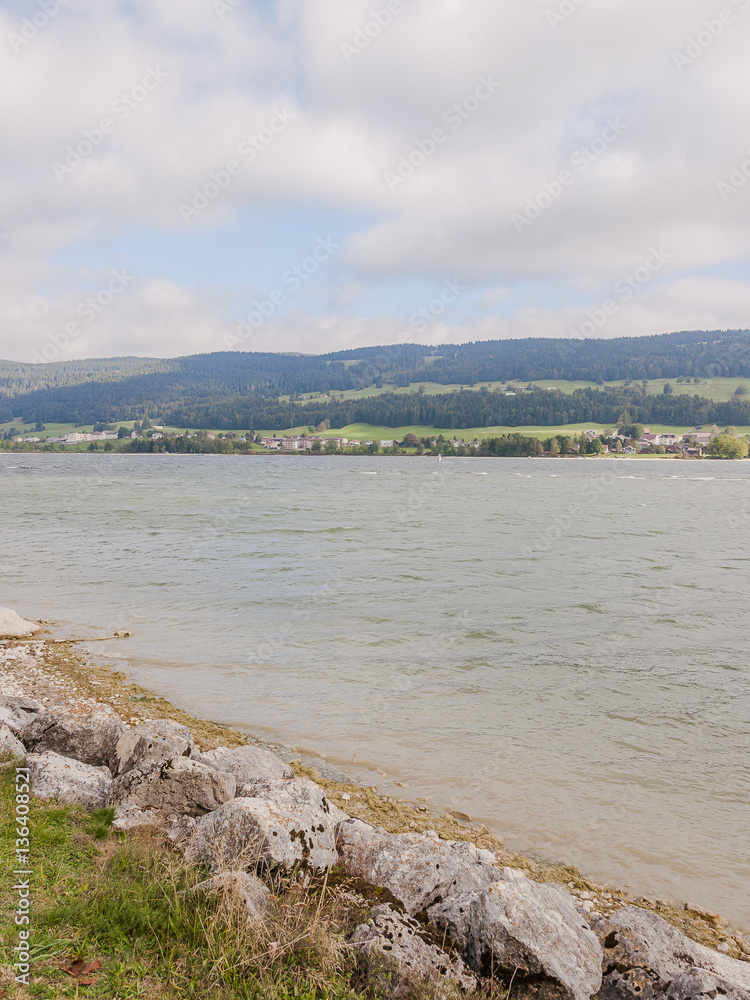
[10, 745]
[288, 822]
[12, 626]
[520, 925]
[644, 956]
[85, 730]
[417, 869]
[16, 711]
[242, 888]
[68, 780]
[152, 742]
[246, 763]
[131, 818]
[399, 961]
[181, 787]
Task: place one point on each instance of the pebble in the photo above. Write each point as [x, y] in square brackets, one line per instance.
[723, 947]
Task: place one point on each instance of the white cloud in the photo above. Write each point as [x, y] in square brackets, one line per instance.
[353, 119]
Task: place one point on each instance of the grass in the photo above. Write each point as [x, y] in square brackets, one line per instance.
[118, 916]
[371, 432]
[718, 389]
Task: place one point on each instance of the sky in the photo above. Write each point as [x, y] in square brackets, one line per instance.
[187, 176]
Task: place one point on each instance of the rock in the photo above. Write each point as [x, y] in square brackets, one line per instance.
[67, 780]
[179, 786]
[12, 626]
[131, 818]
[10, 745]
[240, 888]
[16, 712]
[398, 959]
[181, 830]
[152, 742]
[247, 763]
[287, 822]
[418, 870]
[712, 918]
[85, 730]
[647, 958]
[535, 929]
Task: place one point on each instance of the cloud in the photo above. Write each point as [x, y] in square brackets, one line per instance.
[570, 143]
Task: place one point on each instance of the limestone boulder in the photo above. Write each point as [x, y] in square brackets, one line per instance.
[398, 960]
[417, 869]
[16, 712]
[152, 742]
[85, 730]
[285, 822]
[10, 746]
[240, 889]
[518, 926]
[176, 787]
[69, 781]
[247, 764]
[12, 626]
[646, 958]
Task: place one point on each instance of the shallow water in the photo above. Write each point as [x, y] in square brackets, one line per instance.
[556, 647]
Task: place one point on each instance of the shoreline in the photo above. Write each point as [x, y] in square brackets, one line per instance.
[53, 670]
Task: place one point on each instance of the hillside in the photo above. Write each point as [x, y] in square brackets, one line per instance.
[379, 385]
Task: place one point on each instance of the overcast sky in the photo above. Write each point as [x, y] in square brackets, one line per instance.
[186, 176]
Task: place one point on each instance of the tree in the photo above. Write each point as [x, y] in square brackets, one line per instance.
[554, 447]
[667, 390]
[122, 432]
[726, 446]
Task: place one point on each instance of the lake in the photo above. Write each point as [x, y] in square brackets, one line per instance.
[556, 647]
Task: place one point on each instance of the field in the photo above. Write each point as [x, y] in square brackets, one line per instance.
[718, 389]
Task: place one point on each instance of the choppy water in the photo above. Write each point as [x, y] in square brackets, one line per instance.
[558, 648]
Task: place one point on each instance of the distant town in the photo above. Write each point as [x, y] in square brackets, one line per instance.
[625, 440]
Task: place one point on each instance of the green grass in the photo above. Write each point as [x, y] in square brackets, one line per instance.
[127, 906]
[718, 389]
[370, 432]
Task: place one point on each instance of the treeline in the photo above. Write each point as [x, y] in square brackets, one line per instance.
[463, 409]
[235, 384]
[454, 411]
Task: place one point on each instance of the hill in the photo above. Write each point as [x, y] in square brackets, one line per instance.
[239, 390]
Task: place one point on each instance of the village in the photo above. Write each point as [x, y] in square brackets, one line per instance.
[692, 444]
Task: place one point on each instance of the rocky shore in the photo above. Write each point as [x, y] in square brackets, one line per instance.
[442, 903]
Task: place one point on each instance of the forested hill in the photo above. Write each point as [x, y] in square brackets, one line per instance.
[242, 390]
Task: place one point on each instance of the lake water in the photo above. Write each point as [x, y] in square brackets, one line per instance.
[557, 647]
